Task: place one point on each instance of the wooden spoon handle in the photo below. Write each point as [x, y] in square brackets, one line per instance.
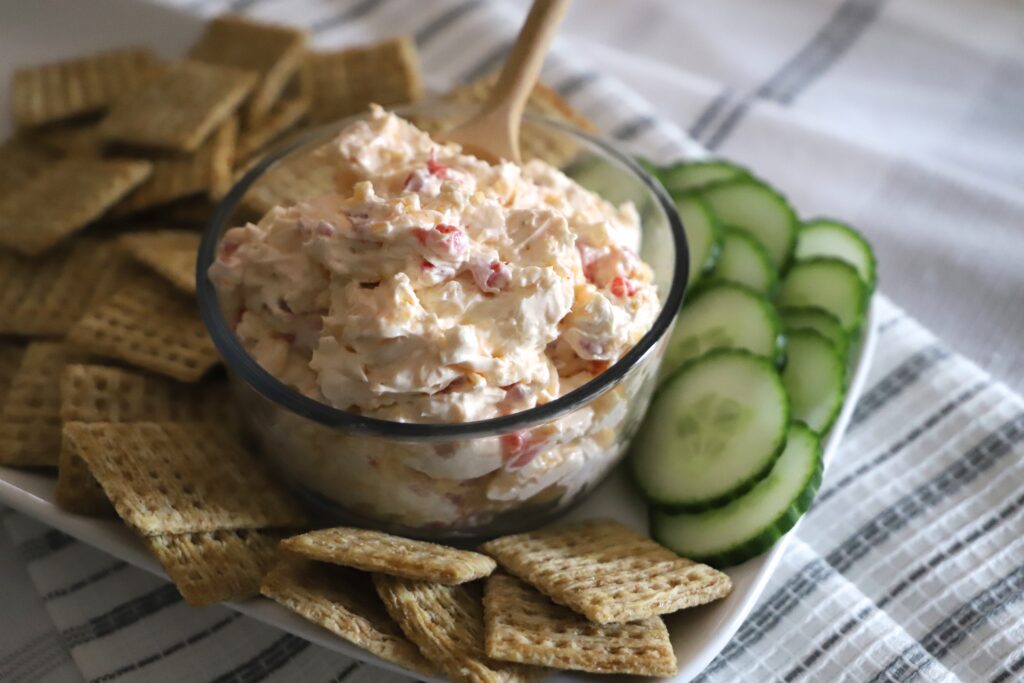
[526, 58]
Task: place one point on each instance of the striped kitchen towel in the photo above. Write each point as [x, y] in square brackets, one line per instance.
[910, 565]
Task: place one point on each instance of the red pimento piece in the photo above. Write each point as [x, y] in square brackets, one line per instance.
[519, 449]
[588, 259]
[228, 248]
[450, 241]
[491, 277]
[623, 287]
[447, 241]
[413, 182]
[436, 168]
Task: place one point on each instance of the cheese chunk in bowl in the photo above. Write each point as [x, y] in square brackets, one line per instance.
[431, 344]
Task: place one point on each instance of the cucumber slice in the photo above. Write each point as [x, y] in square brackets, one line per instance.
[744, 261]
[752, 523]
[824, 237]
[830, 284]
[817, 319]
[725, 316]
[703, 235]
[685, 176]
[713, 430]
[815, 379]
[760, 210]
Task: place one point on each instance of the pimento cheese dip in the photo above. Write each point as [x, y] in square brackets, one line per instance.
[434, 287]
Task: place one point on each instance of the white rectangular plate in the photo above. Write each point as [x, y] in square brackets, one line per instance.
[44, 30]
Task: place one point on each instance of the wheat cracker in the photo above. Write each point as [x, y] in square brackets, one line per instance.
[63, 198]
[99, 393]
[11, 353]
[284, 116]
[343, 601]
[273, 51]
[78, 139]
[213, 566]
[151, 325]
[168, 253]
[44, 296]
[347, 82]
[522, 625]
[447, 625]
[375, 551]
[209, 171]
[178, 477]
[83, 85]
[295, 179]
[30, 420]
[179, 108]
[77, 490]
[606, 571]
[21, 159]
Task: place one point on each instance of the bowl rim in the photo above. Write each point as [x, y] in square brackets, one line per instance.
[239, 361]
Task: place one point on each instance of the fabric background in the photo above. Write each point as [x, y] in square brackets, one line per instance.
[904, 117]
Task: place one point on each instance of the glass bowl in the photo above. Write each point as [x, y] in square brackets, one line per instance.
[453, 481]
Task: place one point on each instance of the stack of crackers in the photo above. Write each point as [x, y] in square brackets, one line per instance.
[586, 596]
[106, 370]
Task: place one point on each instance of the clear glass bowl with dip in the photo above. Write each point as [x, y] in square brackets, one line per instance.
[451, 480]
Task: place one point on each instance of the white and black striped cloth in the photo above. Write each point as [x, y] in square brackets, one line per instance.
[910, 565]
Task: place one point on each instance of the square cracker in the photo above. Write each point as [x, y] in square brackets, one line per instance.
[607, 572]
[30, 421]
[348, 81]
[21, 159]
[83, 85]
[179, 108]
[98, 393]
[343, 601]
[46, 295]
[11, 353]
[208, 170]
[178, 477]
[273, 51]
[447, 625]
[78, 139]
[170, 254]
[214, 566]
[77, 490]
[294, 180]
[279, 120]
[375, 551]
[63, 198]
[149, 324]
[522, 625]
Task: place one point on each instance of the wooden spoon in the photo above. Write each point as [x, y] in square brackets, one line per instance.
[493, 134]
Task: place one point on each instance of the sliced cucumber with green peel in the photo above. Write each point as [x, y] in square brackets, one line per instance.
[691, 175]
[751, 524]
[824, 237]
[713, 430]
[725, 316]
[816, 319]
[744, 261]
[815, 379]
[759, 209]
[827, 283]
[703, 235]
